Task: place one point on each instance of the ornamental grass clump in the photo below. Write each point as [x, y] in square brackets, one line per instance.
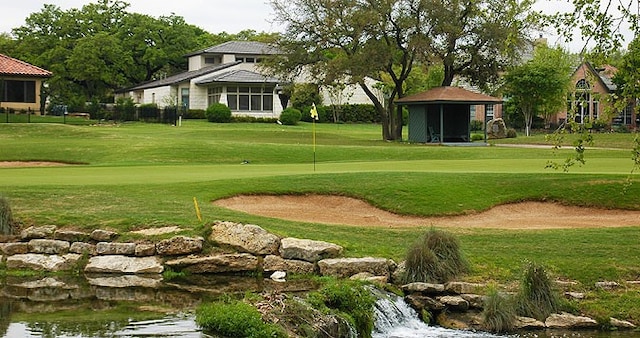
[435, 258]
[7, 223]
[536, 297]
[499, 312]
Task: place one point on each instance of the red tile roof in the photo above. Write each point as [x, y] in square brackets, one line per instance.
[14, 67]
[448, 95]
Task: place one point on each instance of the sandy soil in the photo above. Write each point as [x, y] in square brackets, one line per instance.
[349, 211]
[15, 164]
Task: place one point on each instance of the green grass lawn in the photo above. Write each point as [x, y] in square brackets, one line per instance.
[136, 175]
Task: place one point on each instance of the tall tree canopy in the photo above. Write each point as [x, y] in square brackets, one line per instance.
[352, 40]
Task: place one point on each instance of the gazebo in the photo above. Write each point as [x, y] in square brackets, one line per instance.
[442, 114]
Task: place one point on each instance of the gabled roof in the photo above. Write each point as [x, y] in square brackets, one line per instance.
[448, 95]
[239, 76]
[239, 48]
[14, 67]
[181, 77]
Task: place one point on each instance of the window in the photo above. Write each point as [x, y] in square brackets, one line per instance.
[489, 111]
[250, 98]
[19, 91]
[472, 112]
[585, 106]
[248, 59]
[185, 97]
[213, 95]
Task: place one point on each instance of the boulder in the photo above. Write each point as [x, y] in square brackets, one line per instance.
[179, 245]
[475, 301]
[242, 262]
[108, 248]
[574, 295]
[496, 128]
[145, 249]
[103, 235]
[368, 277]
[278, 276]
[71, 236]
[275, 263]
[606, 285]
[245, 238]
[83, 248]
[463, 287]
[527, 323]
[454, 303]
[621, 324]
[43, 262]
[347, 267]
[38, 232]
[48, 246]
[423, 288]
[420, 302]
[308, 250]
[124, 264]
[14, 248]
[569, 322]
[126, 281]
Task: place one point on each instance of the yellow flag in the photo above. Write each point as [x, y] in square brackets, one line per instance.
[314, 112]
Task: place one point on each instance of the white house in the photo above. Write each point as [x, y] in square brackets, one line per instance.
[228, 73]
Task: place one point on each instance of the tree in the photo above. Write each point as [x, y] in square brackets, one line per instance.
[540, 86]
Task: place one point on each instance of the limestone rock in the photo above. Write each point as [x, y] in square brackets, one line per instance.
[369, 277]
[83, 248]
[607, 285]
[397, 275]
[278, 276]
[569, 321]
[124, 264]
[14, 248]
[42, 262]
[242, 262]
[145, 249]
[455, 303]
[308, 250]
[103, 235]
[574, 295]
[621, 324]
[179, 245]
[527, 323]
[347, 267]
[463, 287]
[475, 301]
[38, 232]
[108, 248]
[275, 263]
[423, 288]
[48, 246]
[71, 236]
[419, 303]
[245, 237]
[496, 128]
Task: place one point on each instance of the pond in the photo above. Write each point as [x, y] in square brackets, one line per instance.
[147, 306]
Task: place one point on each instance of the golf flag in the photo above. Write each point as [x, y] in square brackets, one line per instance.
[314, 112]
[314, 118]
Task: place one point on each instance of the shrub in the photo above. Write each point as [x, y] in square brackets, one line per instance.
[436, 258]
[148, 111]
[218, 113]
[290, 116]
[304, 95]
[125, 109]
[511, 133]
[352, 300]
[477, 137]
[536, 297]
[476, 125]
[499, 312]
[7, 223]
[195, 114]
[235, 319]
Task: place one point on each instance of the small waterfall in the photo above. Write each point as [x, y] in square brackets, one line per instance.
[394, 318]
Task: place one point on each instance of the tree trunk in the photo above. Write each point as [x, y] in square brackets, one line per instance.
[448, 75]
[382, 112]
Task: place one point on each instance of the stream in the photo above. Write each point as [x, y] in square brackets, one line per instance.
[135, 306]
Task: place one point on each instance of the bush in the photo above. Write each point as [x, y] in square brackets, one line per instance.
[290, 116]
[195, 114]
[125, 109]
[352, 301]
[148, 112]
[476, 125]
[511, 133]
[7, 223]
[218, 113]
[536, 297]
[499, 313]
[235, 319]
[477, 137]
[435, 258]
[304, 95]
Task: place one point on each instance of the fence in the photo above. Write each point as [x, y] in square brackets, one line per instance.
[59, 114]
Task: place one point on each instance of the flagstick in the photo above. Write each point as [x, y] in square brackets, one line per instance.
[314, 144]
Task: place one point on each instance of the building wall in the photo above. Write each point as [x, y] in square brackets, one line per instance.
[598, 93]
[25, 106]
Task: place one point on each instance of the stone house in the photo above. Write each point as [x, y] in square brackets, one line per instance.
[21, 84]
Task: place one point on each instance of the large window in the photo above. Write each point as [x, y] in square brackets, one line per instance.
[586, 105]
[18, 91]
[184, 93]
[213, 95]
[243, 98]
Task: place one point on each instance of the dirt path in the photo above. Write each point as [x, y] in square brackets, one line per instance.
[349, 211]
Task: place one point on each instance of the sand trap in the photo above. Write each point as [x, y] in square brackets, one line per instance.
[350, 211]
[17, 164]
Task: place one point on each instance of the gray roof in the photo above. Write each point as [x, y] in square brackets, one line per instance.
[181, 77]
[239, 76]
[239, 48]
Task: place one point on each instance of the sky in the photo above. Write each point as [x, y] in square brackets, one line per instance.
[214, 16]
[217, 16]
